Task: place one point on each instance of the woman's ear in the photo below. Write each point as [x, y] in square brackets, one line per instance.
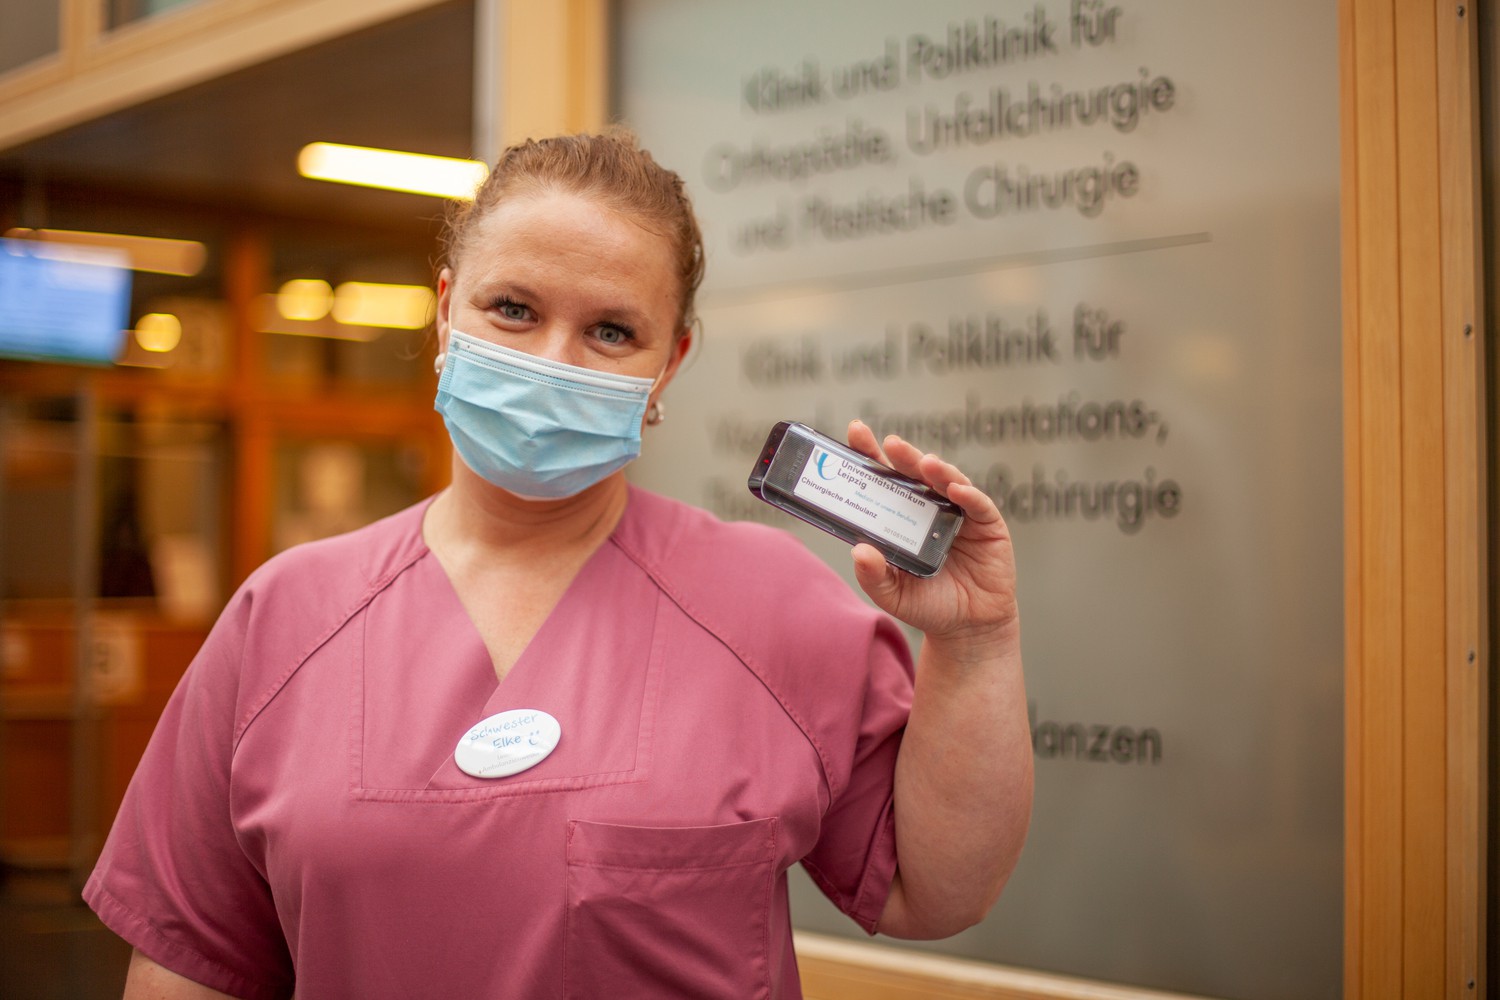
[440, 322]
[680, 348]
[655, 410]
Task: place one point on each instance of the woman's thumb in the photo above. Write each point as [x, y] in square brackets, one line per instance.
[875, 577]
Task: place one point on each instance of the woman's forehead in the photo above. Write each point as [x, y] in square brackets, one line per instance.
[559, 241]
[560, 221]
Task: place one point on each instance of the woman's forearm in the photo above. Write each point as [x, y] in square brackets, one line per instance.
[963, 777]
[147, 980]
[963, 787]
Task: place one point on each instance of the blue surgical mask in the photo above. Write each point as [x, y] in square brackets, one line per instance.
[540, 429]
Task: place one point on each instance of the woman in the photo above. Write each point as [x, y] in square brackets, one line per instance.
[726, 706]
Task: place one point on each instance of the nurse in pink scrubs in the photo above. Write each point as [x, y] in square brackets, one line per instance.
[549, 735]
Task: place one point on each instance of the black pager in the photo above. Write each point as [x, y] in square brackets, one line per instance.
[831, 486]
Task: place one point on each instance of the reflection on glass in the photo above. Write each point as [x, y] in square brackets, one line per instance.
[160, 255]
[121, 12]
[38, 470]
[189, 335]
[390, 359]
[29, 30]
[328, 487]
[157, 504]
[161, 497]
[159, 333]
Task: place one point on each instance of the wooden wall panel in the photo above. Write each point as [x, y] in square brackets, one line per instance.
[1372, 524]
[554, 73]
[1466, 542]
[247, 274]
[1423, 749]
[1413, 408]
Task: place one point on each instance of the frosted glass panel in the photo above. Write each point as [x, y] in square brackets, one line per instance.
[325, 487]
[28, 31]
[1088, 251]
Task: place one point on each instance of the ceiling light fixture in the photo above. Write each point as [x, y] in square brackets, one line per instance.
[158, 333]
[270, 320]
[304, 299]
[402, 307]
[147, 253]
[416, 173]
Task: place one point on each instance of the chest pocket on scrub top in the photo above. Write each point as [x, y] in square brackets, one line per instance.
[669, 911]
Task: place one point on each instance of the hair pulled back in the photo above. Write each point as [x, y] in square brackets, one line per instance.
[609, 167]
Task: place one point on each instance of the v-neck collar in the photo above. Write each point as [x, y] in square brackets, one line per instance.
[425, 677]
[471, 634]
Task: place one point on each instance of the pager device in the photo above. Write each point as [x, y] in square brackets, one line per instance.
[831, 486]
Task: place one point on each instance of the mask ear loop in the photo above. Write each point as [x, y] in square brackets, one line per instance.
[657, 411]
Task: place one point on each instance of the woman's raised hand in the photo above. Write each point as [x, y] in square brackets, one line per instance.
[973, 598]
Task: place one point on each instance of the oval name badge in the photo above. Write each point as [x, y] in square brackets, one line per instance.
[508, 743]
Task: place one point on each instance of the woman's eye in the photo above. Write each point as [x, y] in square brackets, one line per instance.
[512, 310]
[614, 334]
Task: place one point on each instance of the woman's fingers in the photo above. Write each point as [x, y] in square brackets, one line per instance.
[905, 457]
[978, 506]
[909, 460]
[876, 577]
[862, 440]
[940, 473]
[912, 462]
[945, 477]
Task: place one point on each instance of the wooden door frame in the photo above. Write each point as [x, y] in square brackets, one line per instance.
[1416, 605]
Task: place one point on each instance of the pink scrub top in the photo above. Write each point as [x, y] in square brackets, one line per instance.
[728, 708]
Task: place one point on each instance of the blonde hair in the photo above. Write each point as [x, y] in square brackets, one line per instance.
[610, 167]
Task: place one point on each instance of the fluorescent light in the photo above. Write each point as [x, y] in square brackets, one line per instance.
[158, 332]
[304, 299]
[270, 320]
[362, 303]
[418, 173]
[146, 253]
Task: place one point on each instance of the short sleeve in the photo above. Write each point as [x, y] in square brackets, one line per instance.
[854, 859]
[173, 880]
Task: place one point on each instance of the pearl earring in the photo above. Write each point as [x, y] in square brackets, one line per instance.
[655, 413]
[439, 361]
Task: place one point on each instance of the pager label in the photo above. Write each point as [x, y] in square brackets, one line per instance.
[852, 492]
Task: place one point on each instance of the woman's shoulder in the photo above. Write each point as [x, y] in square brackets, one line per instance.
[317, 584]
[757, 588]
[364, 554]
[738, 559]
[290, 606]
[785, 615]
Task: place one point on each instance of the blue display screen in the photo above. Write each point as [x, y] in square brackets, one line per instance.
[62, 304]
